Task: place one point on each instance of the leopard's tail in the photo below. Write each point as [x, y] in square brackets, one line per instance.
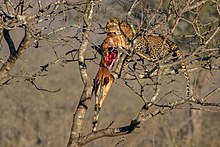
[185, 71]
[180, 56]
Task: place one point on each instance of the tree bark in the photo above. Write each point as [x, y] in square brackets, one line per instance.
[78, 117]
[14, 54]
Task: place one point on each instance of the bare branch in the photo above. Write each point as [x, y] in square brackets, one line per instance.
[9, 42]
[24, 44]
[79, 115]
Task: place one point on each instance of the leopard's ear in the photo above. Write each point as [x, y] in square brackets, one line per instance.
[113, 20]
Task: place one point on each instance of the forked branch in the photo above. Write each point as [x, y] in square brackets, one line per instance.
[14, 54]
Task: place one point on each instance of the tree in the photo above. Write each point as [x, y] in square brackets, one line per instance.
[192, 25]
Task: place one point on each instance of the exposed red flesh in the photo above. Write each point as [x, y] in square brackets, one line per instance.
[111, 58]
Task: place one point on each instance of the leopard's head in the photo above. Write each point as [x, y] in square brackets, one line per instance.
[119, 27]
[113, 27]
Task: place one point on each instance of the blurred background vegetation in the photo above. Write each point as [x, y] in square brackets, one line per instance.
[31, 117]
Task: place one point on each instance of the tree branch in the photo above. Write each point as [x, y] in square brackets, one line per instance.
[112, 132]
[10, 42]
[79, 115]
[24, 44]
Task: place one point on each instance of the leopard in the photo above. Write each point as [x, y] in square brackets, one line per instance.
[158, 47]
[152, 47]
[123, 36]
